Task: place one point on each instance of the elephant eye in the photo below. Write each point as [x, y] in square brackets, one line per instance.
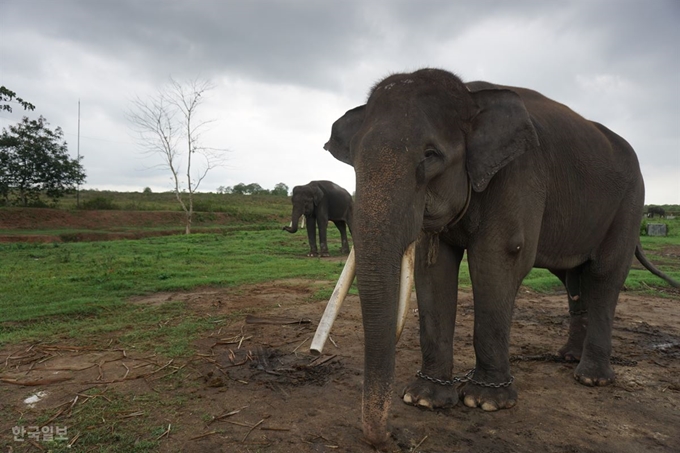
[431, 152]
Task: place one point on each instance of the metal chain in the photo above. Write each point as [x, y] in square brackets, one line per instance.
[466, 378]
[578, 312]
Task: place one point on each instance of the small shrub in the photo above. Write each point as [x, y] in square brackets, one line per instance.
[99, 203]
[643, 228]
[203, 206]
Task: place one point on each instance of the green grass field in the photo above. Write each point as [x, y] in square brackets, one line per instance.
[65, 289]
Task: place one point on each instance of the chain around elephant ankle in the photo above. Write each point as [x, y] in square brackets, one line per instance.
[466, 378]
[453, 381]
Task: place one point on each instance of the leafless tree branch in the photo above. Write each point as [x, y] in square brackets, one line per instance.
[167, 126]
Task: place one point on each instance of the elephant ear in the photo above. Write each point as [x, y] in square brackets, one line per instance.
[317, 194]
[501, 131]
[342, 132]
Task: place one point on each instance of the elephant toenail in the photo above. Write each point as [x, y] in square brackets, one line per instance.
[489, 406]
[407, 398]
[425, 403]
[470, 401]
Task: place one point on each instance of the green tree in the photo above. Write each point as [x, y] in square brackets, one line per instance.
[239, 189]
[255, 189]
[280, 189]
[7, 95]
[35, 161]
[249, 189]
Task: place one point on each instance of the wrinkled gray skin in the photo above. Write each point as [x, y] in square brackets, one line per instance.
[656, 210]
[319, 202]
[550, 189]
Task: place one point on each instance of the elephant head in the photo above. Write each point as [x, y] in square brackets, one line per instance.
[417, 146]
[304, 199]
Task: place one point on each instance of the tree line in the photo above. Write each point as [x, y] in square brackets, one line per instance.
[254, 188]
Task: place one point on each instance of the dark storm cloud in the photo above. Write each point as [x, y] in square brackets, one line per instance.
[614, 61]
[283, 41]
[307, 42]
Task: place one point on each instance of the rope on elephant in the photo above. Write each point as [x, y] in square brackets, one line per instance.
[433, 249]
[559, 359]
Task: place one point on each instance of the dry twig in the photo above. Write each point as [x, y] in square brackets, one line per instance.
[165, 433]
[251, 429]
[73, 441]
[298, 347]
[228, 414]
[201, 436]
[133, 414]
[419, 444]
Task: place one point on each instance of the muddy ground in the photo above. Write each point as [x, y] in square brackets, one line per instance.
[254, 387]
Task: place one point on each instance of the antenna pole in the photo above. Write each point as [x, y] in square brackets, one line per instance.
[78, 187]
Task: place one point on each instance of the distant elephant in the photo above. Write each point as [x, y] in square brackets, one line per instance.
[514, 179]
[656, 210]
[319, 202]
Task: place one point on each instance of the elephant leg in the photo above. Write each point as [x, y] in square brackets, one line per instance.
[323, 226]
[601, 280]
[601, 289]
[437, 293]
[342, 227]
[496, 271]
[578, 315]
[311, 236]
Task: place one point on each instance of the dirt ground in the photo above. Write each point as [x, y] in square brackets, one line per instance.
[254, 387]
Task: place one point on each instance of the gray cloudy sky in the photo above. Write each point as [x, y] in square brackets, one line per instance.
[285, 70]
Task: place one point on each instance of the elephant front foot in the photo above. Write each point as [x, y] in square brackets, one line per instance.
[313, 254]
[593, 374]
[325, 254]
[430, 395]
[490, 396]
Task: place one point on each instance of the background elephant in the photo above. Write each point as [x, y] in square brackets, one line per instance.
[513, 179]
[319, 202]
[656, 210]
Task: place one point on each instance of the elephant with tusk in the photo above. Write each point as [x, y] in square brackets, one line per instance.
[511, 178]
[317, 203]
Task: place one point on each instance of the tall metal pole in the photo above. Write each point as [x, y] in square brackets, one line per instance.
[78, 187]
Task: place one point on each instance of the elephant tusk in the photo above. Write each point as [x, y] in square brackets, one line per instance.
[333, 306]
[405, 286]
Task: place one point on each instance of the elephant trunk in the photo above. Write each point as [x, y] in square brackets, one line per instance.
[295, 219]
[382, 236]
[378, 284]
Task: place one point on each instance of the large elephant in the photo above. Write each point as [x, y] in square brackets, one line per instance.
[514, 179]
[656, 210]
[319, 202]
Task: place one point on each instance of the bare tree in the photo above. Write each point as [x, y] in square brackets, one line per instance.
[168, 126]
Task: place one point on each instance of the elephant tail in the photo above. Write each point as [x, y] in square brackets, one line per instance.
[639, 254]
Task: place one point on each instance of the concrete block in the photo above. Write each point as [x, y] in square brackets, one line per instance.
[657, 229]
